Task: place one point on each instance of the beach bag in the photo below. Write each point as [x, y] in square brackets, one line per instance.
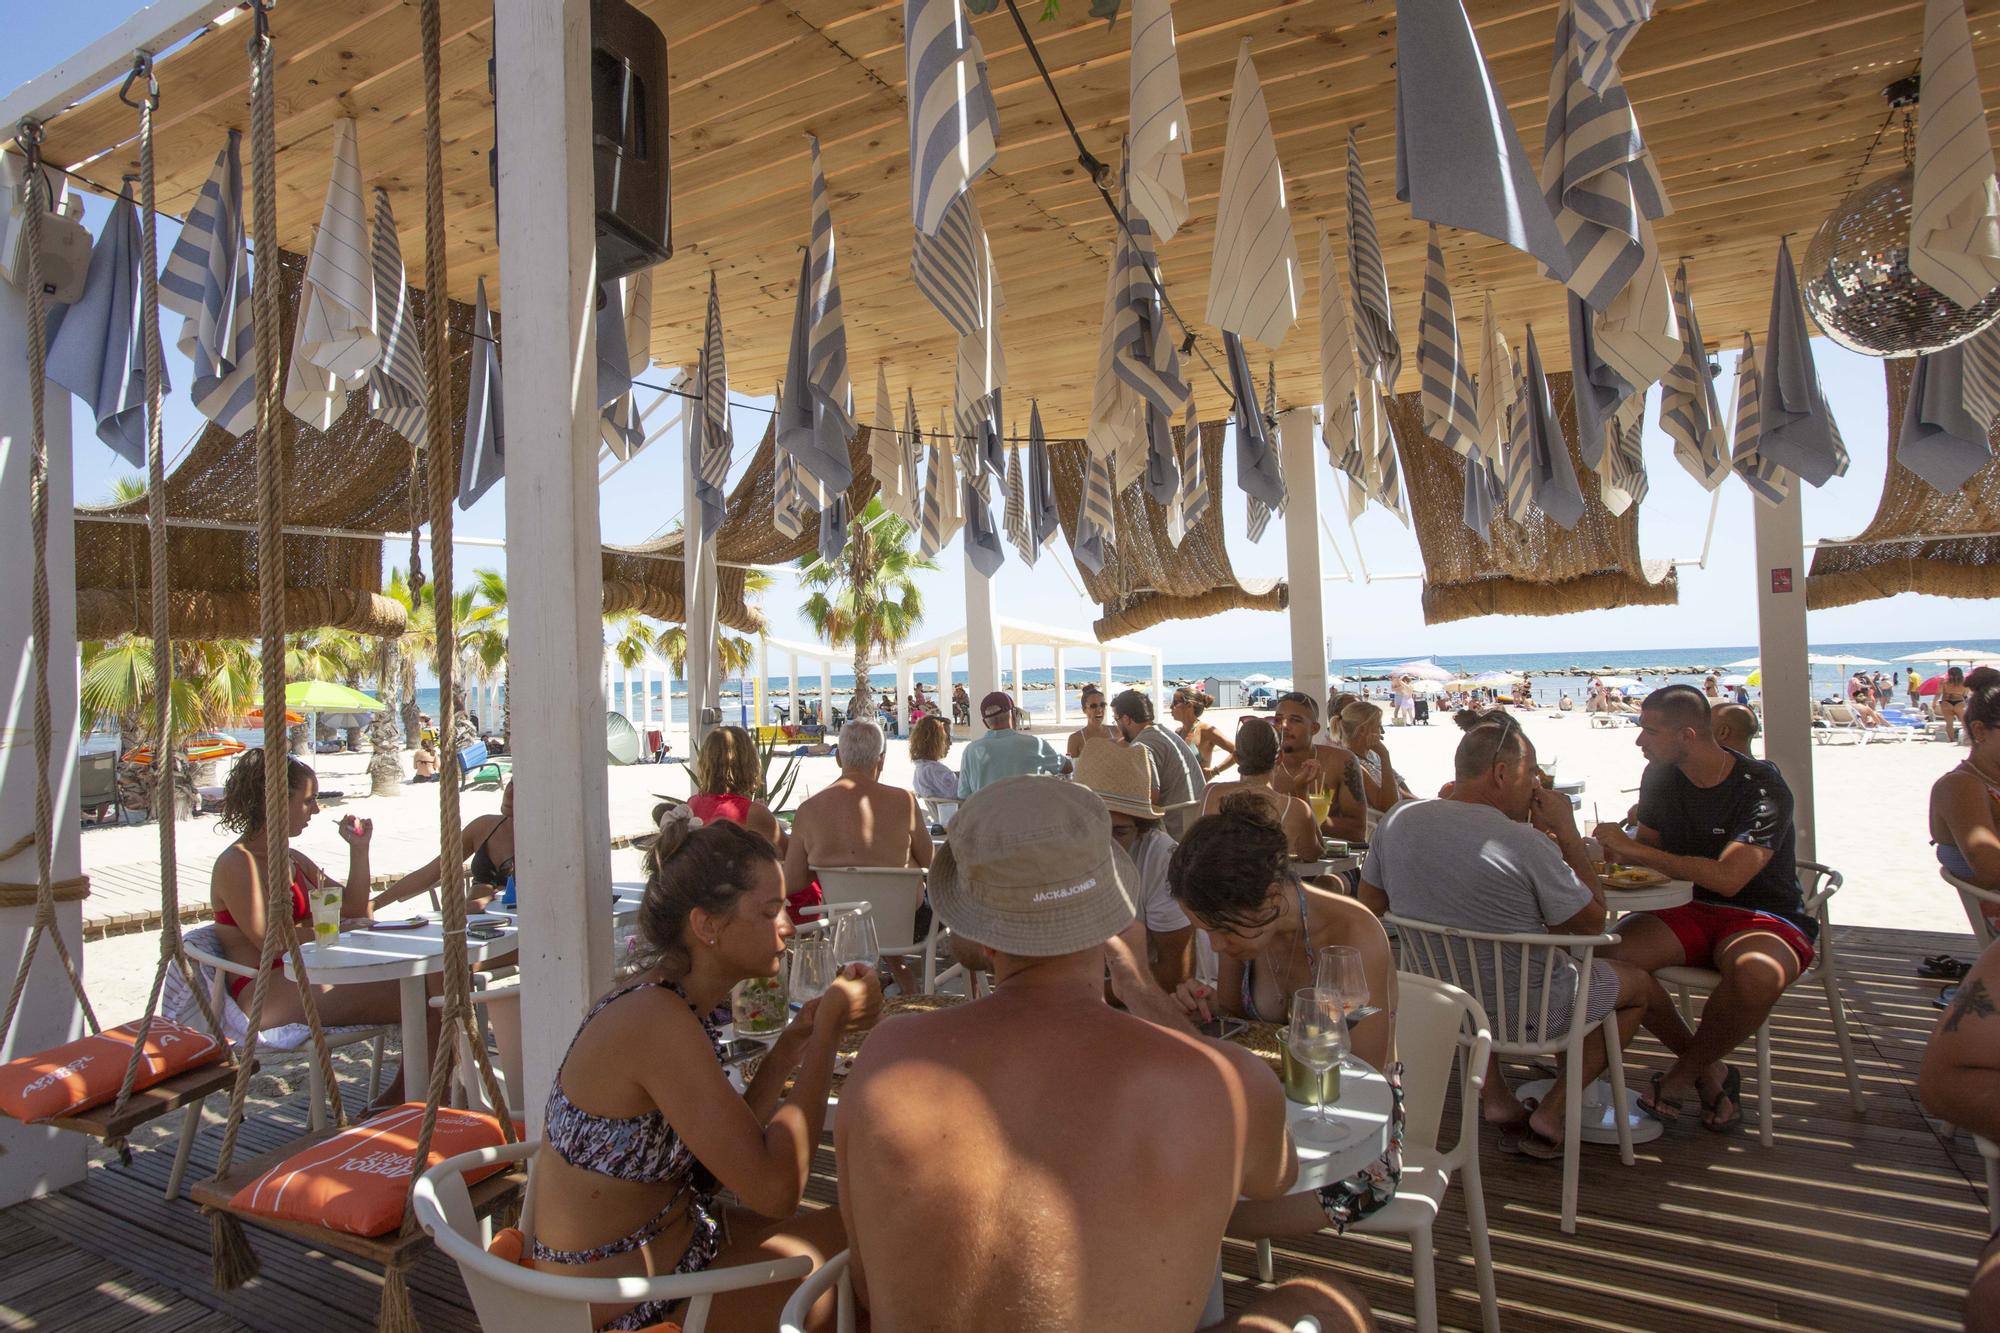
[85, 1073]
[357, 1180]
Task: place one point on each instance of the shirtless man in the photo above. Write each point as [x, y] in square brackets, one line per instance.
[1305, 767]
[857, 821]
[1734, 725]
[1094, 726]
[1035, 1160]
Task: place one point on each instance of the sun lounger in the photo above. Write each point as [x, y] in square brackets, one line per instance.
[1836, 722]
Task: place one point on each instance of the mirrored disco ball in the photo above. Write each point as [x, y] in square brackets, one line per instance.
[1858, 286]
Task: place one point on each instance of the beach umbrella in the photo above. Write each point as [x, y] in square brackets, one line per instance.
[1949, 656]
[1747, 664]
[1620, 683]
[1931, 686]
[1842, 660]
[1493, 680]
[291, 719]
[1420, 668]
[314, 697]
[1256, 678]
[1731, 682]
[1282, 685]
[1754, 678]
[1424, 685]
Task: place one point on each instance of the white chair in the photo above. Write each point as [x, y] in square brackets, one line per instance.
[1435, 1022]
[1974, 899]
[1990, 1150]
[1817, 884]
[893, 895]
[498, 1008]
[277, 1046]
[1474, 961]
[833, 1273]
[510, 1298]
[938, 810]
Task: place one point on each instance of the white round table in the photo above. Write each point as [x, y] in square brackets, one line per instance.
[405, 957]
[1599, 1119]
[1364, 1107]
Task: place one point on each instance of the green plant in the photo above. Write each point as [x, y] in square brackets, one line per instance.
[774, 792]
[214, 681]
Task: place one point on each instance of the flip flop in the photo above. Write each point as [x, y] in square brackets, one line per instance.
[1528, 1105]
[1531, 1143]
[1732, 1088]
[1656, 1108]
[1942, 967]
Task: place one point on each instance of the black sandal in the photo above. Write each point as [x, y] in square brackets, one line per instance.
[1531, 1143]
[1732, 1088]
[1942, 967]
[1655, 1108]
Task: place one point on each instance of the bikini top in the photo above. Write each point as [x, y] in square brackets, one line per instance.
[1249, 967]
[482, 869]
[301, 905]
[643, 1149]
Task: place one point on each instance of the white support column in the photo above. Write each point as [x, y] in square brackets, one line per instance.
[982, 642]
[763, 675]
[903, 720]
[548, 289]
[1062, 692]
[1159, 685]
[1020, 691]
[795, 688]
[826, 691]
[1104, 675]
[645, 718]
[944, 688]
[37, 1161]
[1781, 651]
[1300, 460]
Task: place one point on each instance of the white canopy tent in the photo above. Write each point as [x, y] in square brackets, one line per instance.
[1016, 635]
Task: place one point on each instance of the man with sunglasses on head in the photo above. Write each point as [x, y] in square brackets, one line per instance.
[1306, 766]
[1096, 722]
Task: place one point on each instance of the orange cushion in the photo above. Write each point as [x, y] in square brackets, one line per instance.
[510, 1246]
[357, 1180]
[86, 1072]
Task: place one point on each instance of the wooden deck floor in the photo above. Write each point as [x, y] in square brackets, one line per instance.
[1849, 1223]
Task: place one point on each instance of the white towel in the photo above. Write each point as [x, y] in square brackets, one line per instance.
[1955, 204]
[1160, 133]
[1766, 480]
[1253, 280]
[1340, 381]
[335, 343]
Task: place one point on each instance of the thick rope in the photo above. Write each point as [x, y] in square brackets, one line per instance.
[171, 953]
[34, 183]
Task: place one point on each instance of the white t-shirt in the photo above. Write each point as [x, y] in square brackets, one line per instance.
[1156, 904]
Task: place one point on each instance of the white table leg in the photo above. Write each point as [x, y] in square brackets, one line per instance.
[416, 1042]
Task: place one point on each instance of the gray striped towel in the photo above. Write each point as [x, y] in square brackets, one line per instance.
[1552, 478]
[1459, 159]
[97, 347]
[886, 452]
[1016, 515]
[207, 281]
[1339, 368]
[1257, 470]
[713, 440]
[1799, 433]
[954, 124]
[1145, 358]
[823, 394]
[1955, 199]
[1600, 389]
[1096, 517]
[1688, 408]
[1253, 279]
[1445, 381]
[1622, 475]
[483, 455]
[334, 344]
[1374, 322]
[1946, 428]
[1766, 480]
[1519, 471]
[1044, 521]
[1495, 391]
[985, 550]
[946, 267]
[396, 384]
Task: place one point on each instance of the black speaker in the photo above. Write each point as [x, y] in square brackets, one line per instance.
[628, 103]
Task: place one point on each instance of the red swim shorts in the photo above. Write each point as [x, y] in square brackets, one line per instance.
[1702, 928]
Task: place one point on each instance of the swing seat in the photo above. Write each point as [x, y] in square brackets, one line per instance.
[108, 1125]
[67, 1083]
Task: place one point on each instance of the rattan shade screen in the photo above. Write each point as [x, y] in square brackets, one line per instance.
[1148, 580]
[1531, 569]
[648, 578]
[354, 477]
[1911, 509]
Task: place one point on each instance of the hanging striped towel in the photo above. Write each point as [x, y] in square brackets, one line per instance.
[1385, 481]
[713, 440]
[1495, 391]
[1519, 468]
[1016, 514]
[1445, 381]
[1259, 512]
[1637, 334]
[1766, 480]
[622, 428]
[823, 395]
[788, 499]
[615, 424]
[1160, 134]
[1552, 478]
[1340, 381]
[335, 343]
[1096, 517]
[954, 124]
[1484, 498]
[946, 267]
[939, 522]
[97, 347]
[1598, 176]
[1253, 279]
[1688, 408]
[1145, 358]
[1945, 435]
[1622, 477]
[482, 459]
[1044, 521]
[1955, 199]
[207, 282]
[1257, 470]
[1459, 159]
[1374, 324]
[1600, 389]
[885, 450]
[978, 376]
[396, 384]
[1116, 426]
[833, 520]
[1799, 433]
[984, 549]
[910, 504]
[1194, 496]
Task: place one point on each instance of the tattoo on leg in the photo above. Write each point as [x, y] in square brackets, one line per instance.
[1973, 1002]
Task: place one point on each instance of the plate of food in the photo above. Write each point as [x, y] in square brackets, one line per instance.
[1630, 877]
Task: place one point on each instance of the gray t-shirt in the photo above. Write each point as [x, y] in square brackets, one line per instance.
[1156, 904]
[1455, 863]
[1179, 770]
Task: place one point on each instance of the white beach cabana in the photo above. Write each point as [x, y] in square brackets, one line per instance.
[1014, 635]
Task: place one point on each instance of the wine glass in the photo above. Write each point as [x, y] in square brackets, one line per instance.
[854, 937]
[1340, 976]
[1317, 1038]
[811, 968]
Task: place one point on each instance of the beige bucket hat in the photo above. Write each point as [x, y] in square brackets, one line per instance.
[1029, 868]
[1120, 776]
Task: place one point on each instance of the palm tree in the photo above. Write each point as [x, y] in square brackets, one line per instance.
[124, 490]
[402, 655]
[736, 653]
[214, 681]
[867, 601]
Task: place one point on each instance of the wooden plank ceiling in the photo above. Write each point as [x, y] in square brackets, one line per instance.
[1759, 112]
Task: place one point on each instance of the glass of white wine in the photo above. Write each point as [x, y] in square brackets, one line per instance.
[812, 969]
[1317, 1038]
[854, 937]
[1339, 973]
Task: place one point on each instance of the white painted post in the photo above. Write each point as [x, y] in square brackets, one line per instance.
[548, 288]
[763, 675]
[1020, 689]
[1300, 460]
[36, 1161]
[1062, 692]
[645, 718]
[826, 691]
[1104, 676]
[1159, 685]
[795, 688]
[1781, 652]
[982, 641]
[903, 719]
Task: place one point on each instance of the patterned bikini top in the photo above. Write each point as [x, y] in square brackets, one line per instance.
[639, 1148]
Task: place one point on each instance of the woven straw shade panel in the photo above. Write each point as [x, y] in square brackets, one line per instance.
[1146, 580]
[1532, 568]
[355, 477]
[1756, 110]
[648, 578]
[1895, 559]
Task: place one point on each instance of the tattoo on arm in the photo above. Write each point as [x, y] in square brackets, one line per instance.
[1973, 1002]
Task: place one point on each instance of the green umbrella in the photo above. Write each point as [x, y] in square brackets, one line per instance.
[325, 696]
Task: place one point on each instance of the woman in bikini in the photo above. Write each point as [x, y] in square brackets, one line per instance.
[1360, 733]
[1256, 756]
[1951, 702]
[1965, 803]
[644, 1130]
[489, 843]
[1233, 877]
[1187, 708]
[236, 888]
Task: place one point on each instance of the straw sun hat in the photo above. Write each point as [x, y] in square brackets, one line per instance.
[1119, 775]
[1029, 868]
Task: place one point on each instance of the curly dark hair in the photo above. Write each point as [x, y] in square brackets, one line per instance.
[243, 793]
[1224, 868]
[1982, 700]
[688, 867]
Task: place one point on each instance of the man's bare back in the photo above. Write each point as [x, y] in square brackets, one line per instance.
[994, 1178]
[855, 822]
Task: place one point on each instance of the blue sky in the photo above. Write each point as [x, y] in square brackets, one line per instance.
[1382, 619]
